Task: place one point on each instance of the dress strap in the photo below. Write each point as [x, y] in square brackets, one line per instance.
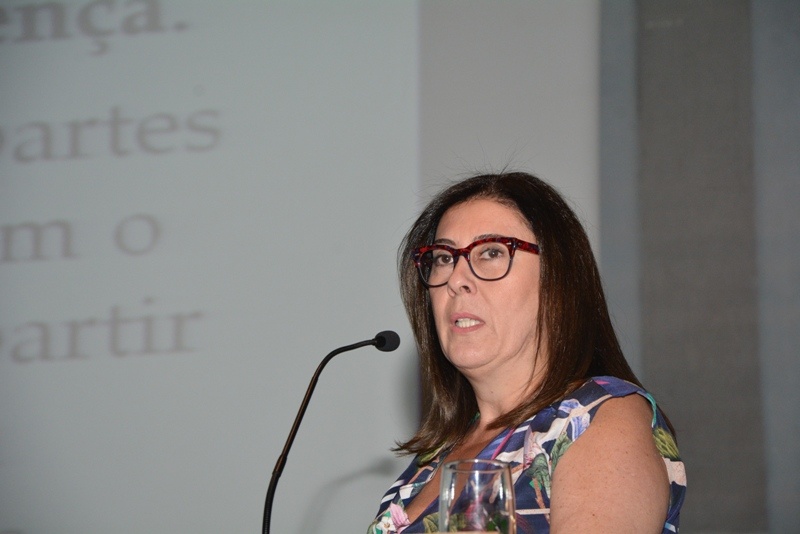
[499, 448]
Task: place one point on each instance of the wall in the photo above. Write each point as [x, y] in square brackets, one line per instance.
[699, 169]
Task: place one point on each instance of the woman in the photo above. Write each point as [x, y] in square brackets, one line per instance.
[519, 362]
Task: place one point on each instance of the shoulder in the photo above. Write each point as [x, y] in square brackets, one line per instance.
[613, 478]
[599, 390]
[599, 387]
[573, 414]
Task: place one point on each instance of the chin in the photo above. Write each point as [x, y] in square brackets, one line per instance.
[465, 361]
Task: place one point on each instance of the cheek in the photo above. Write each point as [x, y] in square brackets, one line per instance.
[526, 312]
[437, 305]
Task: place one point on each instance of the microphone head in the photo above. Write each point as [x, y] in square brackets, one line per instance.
[387, 341]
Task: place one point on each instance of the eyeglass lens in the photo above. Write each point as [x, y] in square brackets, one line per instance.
[488, 261]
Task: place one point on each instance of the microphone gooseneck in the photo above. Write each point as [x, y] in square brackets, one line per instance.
[385, 341]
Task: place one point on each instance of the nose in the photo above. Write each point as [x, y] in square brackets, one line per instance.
[462, 278]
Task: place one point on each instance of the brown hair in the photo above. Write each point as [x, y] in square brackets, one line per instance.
[580, 340]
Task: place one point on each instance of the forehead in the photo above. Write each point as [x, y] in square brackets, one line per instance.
[478, 218]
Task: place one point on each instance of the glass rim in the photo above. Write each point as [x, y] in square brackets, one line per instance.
[469, 464]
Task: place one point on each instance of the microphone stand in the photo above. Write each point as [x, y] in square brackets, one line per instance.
[384, 341]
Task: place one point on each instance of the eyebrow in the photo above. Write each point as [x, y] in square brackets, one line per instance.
[445, 241]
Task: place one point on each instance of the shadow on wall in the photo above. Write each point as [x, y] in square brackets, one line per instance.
[383, 468]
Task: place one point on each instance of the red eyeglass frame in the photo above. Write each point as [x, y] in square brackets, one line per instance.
[512, 243]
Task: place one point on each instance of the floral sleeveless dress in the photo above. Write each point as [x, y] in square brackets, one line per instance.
[533, 450]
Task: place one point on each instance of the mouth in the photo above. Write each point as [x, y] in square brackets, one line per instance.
[466, 322]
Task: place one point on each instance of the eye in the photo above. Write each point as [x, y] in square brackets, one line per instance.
[441, 258]
[491, 252]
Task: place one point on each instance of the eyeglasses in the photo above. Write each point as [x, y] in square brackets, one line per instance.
[489, 259]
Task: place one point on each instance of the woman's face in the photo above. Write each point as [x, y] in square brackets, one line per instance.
[487, 328]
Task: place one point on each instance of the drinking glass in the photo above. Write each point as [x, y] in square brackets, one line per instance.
[476, 496]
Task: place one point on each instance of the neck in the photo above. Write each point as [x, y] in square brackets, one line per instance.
[496, 398]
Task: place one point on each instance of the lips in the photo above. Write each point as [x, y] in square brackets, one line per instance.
[464, 321]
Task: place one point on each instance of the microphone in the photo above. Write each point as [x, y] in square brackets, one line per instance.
[385, 341]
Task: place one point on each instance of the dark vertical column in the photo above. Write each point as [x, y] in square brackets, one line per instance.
[776, 91]
[698, 251]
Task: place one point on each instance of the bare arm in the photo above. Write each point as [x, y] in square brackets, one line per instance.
[612, 479]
